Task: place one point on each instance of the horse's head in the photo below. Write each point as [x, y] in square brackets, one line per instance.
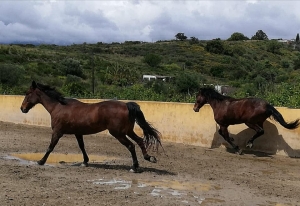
[200, 101]
[32, 98]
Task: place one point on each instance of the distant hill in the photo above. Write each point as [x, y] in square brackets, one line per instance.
[101, 70]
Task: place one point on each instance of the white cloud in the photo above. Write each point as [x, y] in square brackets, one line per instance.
[58, 21]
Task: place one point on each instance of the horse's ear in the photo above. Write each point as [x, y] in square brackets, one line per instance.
[34, 85]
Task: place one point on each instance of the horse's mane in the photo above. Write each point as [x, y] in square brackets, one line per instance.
[211, 93]
[52, 93]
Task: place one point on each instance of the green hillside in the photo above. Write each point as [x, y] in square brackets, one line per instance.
[267, 69]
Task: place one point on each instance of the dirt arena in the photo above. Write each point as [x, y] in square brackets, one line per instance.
[189, 175]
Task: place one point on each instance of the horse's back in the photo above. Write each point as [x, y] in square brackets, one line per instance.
[248, 103]
[237, 111]
[89, 118]
[104, 109]
[103, 104]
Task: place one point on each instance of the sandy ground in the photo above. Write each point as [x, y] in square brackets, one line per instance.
[189, 175]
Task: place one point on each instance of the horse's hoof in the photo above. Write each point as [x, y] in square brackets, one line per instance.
[40, 162]
[239, 152]
[153, 159]
[136, 170]
[84, 164]
[249, 145]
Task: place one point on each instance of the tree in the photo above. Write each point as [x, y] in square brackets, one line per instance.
[236, 36]
[297, 38]
[180, 36]
[260, 35]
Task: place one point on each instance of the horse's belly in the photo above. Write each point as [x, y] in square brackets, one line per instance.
[230, 121]
[83, 130]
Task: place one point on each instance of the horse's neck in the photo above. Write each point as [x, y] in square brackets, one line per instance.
[214, 103]
[48, 103]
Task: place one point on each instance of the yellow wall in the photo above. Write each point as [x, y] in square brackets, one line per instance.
[179, 123]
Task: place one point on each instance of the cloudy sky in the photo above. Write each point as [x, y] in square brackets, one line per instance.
[91, 21]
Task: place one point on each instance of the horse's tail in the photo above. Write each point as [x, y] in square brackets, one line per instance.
[278, 117]
[151, 135]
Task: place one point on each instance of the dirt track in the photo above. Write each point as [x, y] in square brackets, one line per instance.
[188, 176]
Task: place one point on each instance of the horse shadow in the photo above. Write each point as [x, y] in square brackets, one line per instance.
[127, 168]
[264, 146]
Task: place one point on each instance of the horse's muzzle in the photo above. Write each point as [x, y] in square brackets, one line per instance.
[24, 110]
[196, 109]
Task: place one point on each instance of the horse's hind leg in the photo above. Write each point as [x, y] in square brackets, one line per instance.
[259, 131]
[223, 131]
[81, 146]
[129, 145]
[141, 144]
[54, 141]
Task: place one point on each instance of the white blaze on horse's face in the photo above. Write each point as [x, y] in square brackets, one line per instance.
[200, 101]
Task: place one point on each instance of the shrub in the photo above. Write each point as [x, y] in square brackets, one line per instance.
[71, 66]
[10, 74]
[217, 71]
[75, 89]
[187, 83]
[215, 46]
[153, 60]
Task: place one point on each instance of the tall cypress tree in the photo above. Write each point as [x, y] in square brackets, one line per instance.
[297, 38]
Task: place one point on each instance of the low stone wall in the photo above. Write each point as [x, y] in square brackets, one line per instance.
[180, 124]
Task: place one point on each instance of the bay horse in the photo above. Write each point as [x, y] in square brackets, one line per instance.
[70, 116]
[229, 111]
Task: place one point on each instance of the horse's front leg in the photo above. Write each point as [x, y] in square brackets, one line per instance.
[220, 132]
[54, 140]
[223, 131]
[81, 146]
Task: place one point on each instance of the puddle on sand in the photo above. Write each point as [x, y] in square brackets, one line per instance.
[56, 158]
[178, 185]
[279, 204]
[162, 184]
[270, 203]
[268, 172]
[185, 192]
[210, 201]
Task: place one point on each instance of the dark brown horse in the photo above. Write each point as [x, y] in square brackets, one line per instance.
[229, 111]
[70, 116]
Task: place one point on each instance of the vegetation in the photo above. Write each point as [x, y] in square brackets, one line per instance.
[237, 36]
[259, 67]
[180, 36]
[260, 35]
